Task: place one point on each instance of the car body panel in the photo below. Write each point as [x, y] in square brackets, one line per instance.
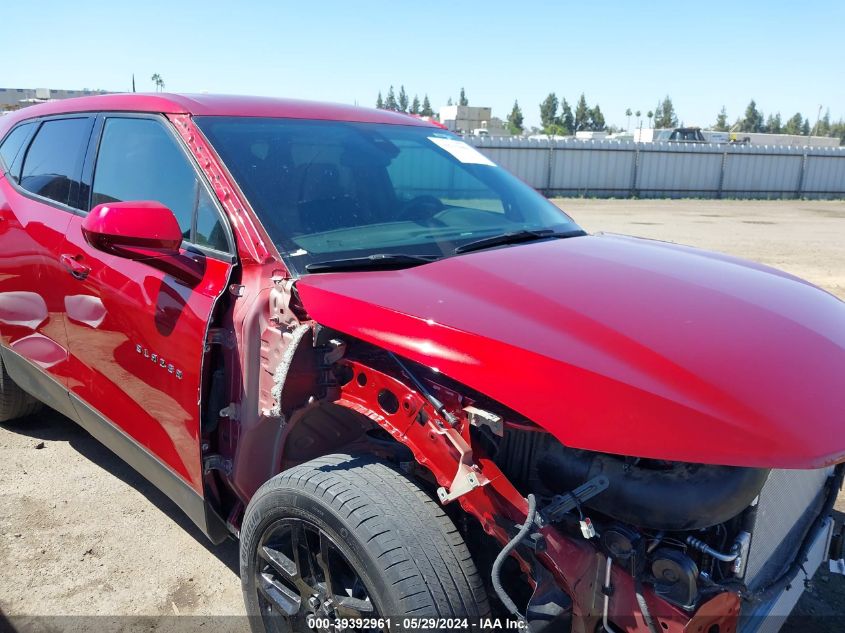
[136, 338]
[610, 342]
[211, 105]
[31, 312]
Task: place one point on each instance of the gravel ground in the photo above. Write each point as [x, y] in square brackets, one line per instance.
[87, 542]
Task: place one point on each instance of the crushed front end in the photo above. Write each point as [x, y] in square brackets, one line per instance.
[579, 540]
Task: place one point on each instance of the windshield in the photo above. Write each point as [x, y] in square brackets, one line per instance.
[332, 190]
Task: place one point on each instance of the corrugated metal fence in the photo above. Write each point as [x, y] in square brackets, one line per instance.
[669, 170]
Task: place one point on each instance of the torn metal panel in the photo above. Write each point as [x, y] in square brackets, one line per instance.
[281, 373]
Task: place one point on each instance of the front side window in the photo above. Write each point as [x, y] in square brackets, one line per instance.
[138, 160]
[329, 190]
[53, 163]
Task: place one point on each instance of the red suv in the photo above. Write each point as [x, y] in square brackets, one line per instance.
[406, 381]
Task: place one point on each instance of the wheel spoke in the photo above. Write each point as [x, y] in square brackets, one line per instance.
[299, 541]
[280, 597]
[303, 559]
[289, 570]
[302, 571]
[348, 607]
[323, 562]
[280, 563]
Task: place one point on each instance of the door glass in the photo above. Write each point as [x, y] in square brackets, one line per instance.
[11, 148]
[210, 231]
[54, 160]
[140, 160]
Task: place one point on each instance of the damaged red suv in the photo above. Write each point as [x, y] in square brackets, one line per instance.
[417, 392]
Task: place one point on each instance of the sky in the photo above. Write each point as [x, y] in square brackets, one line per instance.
[788, 56]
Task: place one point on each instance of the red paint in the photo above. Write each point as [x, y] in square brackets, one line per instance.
[610, 342]
[253, 244]
[493, 504]
[122, 304]
[31, 313]
[211, 105]
[119, 226]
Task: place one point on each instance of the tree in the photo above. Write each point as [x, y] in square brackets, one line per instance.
[838, 130]
[567, 119]
[722, 121]
[664, 116]
[426, 107]
[773, 124]
[582, 115]
[403, 99]
[548, 113]
[463, 99]
[628, 114]
[823, 127]
[449, 102]
[515, 119]
[639, 115]
[805, 129]
[649, 114]
[158, 81]
[753, 119]
[794, 124]
[415, 105]
[596, 119]
[380, 101]
[390, 102]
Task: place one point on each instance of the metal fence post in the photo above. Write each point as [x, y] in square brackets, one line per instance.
[634, 172]
[722, 174]
[549, 171]
[801, 176]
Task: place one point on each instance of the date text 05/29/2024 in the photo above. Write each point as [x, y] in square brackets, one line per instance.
[420, 624]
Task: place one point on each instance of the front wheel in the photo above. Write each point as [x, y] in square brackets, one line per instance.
[344, 538]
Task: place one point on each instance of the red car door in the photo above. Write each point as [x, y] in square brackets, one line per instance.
[38, 198]
[137, 334]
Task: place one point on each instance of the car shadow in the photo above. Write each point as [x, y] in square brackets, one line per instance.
[49, 426]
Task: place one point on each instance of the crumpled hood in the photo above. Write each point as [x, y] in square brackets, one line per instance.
[620, 345]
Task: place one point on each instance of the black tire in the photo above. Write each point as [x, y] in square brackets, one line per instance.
[407, 554]
[14, 402]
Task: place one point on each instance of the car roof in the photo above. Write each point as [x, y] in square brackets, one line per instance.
[214, 105]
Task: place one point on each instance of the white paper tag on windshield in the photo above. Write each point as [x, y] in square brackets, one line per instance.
[460, 150]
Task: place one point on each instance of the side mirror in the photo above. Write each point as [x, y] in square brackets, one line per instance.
[134, 230]
[143, 231]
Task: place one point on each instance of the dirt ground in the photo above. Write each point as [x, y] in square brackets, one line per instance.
[88, 544]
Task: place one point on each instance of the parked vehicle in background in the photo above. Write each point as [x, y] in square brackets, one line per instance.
[674, 135]
[687, 135]
[418, 393]
[715, 136]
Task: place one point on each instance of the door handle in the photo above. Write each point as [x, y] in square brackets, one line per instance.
[74, 265]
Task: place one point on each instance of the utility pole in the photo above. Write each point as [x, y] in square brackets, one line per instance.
[818, 119]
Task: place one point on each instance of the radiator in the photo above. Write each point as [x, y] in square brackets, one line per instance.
[789, 503]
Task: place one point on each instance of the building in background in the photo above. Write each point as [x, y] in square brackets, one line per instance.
[472, 120]
[14, 98]
[591, 135]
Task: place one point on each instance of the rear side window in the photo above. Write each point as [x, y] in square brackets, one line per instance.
[140, 160]
[53, 162]
[12, 147]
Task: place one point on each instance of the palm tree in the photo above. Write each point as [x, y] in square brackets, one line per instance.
[158, 81]
[638, 114]
[628, 114]
[649, 114]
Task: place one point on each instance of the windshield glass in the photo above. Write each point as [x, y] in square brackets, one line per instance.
[329, 190]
